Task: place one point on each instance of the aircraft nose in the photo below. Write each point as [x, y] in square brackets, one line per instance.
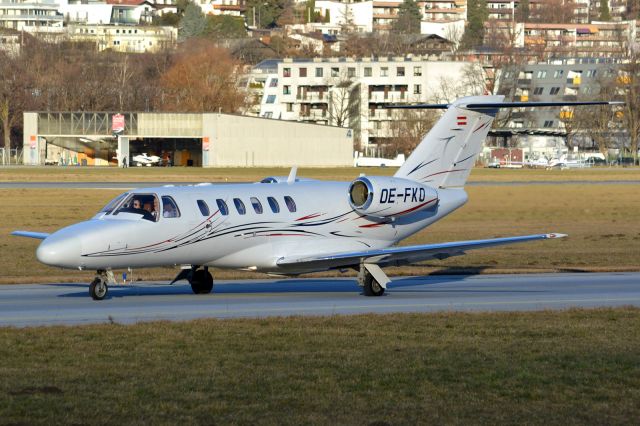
[59, 250]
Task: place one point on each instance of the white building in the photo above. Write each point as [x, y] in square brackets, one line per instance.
[351, 93]
[351, 16]
[24, 14]
[121, 38]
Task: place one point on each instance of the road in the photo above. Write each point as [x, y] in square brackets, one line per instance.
[51, 304]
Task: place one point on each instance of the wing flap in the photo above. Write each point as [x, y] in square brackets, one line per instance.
[29, 234]
[405, 255]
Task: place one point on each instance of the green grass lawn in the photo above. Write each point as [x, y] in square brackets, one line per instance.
[191, 174]
[572, 367]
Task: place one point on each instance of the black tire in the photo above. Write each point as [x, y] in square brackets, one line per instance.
[372, 287]
[201, 282]
[98, 289]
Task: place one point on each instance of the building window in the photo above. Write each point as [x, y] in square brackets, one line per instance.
[367, 71]
[268, 114]
[384, 72]
[286, 90]
[554, 90]
[289, 107]
[558, 73]
[538, 91]
[417, 89]
[271, 99]
[273, 82]
[591, 73]
[400, 71]
[541, 74]
[351, 72]
[417, 71]
[335, 71]
[318, 72]
[548, 123]
[286, 72]
[303, 72]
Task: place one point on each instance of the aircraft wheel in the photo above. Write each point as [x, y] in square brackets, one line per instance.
[372, 287]
[202, 282]
[98, 289]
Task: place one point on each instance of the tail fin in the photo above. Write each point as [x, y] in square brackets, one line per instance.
[447, 153]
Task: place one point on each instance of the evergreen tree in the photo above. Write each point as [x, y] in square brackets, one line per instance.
[605, 15]
[409, 18]
[476, 16]
[193, 23]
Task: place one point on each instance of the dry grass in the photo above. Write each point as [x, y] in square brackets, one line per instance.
[188, 174]
[573, 367]
[602, 221]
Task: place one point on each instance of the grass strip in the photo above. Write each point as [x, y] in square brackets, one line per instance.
[567, 367]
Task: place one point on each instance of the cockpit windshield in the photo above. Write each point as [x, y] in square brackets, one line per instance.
[113, 204]
[146, 205]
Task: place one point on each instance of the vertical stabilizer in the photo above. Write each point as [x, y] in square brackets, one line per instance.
[447, 153]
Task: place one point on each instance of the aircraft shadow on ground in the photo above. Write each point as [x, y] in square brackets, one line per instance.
[296, 285]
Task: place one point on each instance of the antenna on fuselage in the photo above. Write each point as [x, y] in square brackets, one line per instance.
[292, 174]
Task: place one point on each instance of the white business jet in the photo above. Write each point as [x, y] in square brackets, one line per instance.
[290, 226]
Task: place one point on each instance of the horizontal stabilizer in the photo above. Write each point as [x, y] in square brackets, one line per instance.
[395, 256]
[28, 234]
[493, 105]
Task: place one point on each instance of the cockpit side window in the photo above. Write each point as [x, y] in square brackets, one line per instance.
[110, 207]
[170, 208]
[146, 205]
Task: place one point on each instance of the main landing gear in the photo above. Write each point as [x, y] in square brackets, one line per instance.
[99, 287]
[201, 281]
[372, 279]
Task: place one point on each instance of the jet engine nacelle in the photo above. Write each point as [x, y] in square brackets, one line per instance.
[382, 196]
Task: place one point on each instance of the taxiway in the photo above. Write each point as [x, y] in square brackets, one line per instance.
[53, 304]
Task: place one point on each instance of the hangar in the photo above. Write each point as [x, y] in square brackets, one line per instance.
[201, 139]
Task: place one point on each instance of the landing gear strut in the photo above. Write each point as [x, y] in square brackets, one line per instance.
[99, 288]
[372, 279]
[201, 281]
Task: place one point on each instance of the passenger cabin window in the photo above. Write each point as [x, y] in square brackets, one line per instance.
[113, 204]
[239, 206]
[169, 208]
[145, 205]
[291, 205]
[222, 206]
[273, 204]
[257, 206]
[204, 208]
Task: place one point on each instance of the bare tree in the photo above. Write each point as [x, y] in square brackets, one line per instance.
[408, 127]
[340, 87]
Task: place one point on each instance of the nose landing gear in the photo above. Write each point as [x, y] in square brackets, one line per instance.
[99, 288]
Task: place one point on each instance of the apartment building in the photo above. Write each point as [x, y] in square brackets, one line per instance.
[598, 39]
[130, 38]
[557, 80]
[349, 92]
[23, 15]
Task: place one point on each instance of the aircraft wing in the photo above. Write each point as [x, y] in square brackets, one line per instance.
[29, 234]
[395, 256]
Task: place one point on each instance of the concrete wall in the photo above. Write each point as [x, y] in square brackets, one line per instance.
[248, 141]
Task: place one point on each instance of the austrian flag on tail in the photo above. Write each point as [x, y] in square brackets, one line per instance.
[462, 120]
